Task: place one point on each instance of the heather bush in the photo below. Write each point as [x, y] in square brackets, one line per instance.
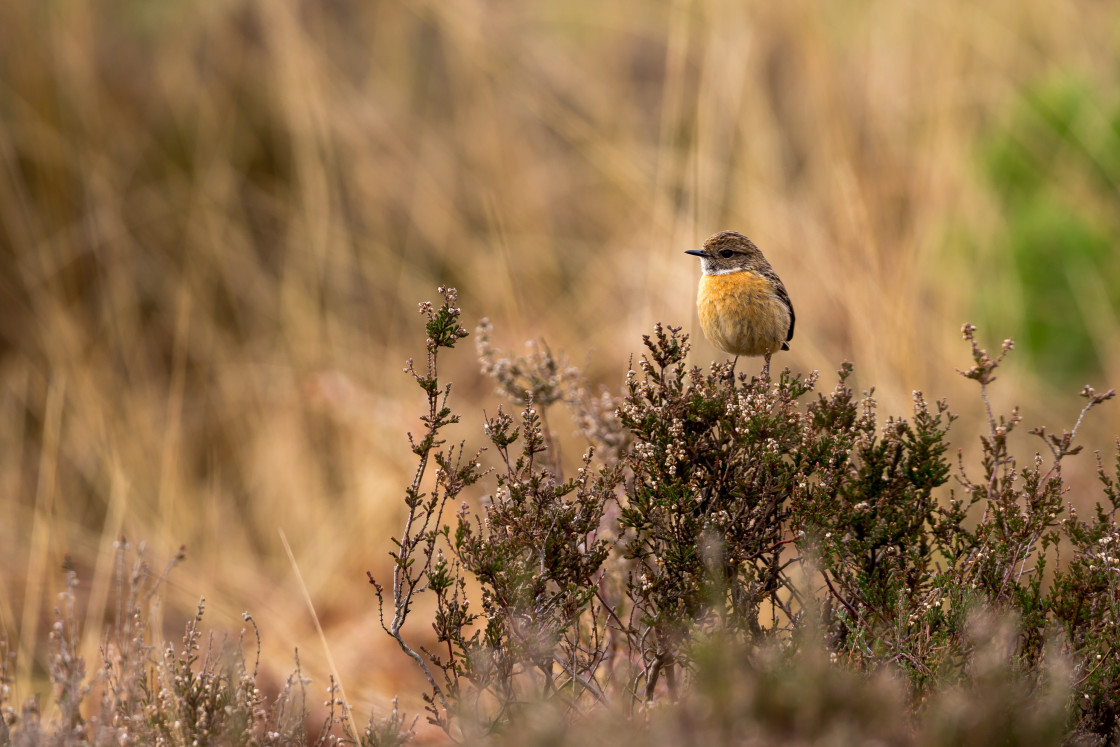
[200, 692]
[733, 560]
[753, 550]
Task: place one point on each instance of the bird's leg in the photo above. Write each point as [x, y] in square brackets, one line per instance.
[733, 362]
[766, 368]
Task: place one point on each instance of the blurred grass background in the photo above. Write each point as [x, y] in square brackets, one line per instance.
[216, 220]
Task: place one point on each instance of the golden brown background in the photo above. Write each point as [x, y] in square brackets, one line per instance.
[216, 220]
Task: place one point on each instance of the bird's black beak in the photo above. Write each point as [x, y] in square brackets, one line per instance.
[697, 252]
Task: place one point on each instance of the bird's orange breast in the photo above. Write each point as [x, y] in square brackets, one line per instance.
[741, 313]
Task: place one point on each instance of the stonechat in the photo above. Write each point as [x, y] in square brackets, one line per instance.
[744, 308]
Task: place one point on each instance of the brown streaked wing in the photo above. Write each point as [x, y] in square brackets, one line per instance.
[780, 289]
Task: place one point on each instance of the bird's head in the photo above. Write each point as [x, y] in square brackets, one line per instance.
[727, 252]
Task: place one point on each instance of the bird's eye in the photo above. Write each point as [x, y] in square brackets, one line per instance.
[726, 253]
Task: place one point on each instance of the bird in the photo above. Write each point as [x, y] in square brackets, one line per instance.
[744, 308]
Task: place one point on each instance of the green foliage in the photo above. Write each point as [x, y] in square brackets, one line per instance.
[1054, 164]
[762, 558]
